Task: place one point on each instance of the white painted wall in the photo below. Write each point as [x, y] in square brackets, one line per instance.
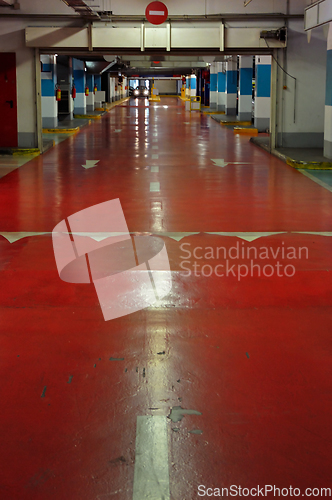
[307, 62]
[166, 86]
[11, 40]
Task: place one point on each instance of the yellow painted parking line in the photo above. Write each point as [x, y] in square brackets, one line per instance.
[88, 117]
[314, 165]
[60, 130]
[26, 151]
[225, 122]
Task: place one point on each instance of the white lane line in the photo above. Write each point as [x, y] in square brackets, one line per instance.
[154, 187]
[154, 169]
[117, 130]
[313, 178]
[155, 134]
[15, 236]
[154, 140]
[155, 157]
[151, 476]
[155, 147]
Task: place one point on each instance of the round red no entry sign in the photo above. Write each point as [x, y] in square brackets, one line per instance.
[156, 13]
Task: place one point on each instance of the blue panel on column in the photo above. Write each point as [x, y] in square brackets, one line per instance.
[263, 80]
[89, 82]
[47, 88]
[328, 95]
[246, 81]
[213, 82]
[98, 81]
[193, 82]
[47, 67]
[221, 82]
[79, 80]
[187, 83]
[231, 82]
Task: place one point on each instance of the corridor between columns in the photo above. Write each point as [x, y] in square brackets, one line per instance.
[235, 360]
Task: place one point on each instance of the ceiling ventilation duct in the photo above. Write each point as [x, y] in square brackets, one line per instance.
[14, 5]
[81, 8]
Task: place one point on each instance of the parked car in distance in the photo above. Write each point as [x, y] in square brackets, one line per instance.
[141, 91]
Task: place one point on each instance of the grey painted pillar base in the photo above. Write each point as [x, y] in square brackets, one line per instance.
[245, 117]
[221, 107]
[230, 111]
[27, 140]
[71, 115]
[262, 124]
[80, 111]
[49, 122]
[301, 140]
[213, 105]
[328, 149]
[90, 107]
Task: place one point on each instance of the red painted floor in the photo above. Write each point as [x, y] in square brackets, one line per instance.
[253, 355]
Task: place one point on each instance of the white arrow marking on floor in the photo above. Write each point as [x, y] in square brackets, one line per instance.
[155, 147]
[151, 475]
[220, 162]
[90, 163]
[117, 130]
[186, 123]
[155, 157]
[155, 169]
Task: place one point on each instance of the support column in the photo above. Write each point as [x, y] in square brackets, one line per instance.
[71, 82]
[90, 99]
[221, 86]
[245, 88]
[192, 85]
[27, 122]
[80, 82]
[98, 82]
[263, 93]
[231, 87]
[48, 83]
[99, 95]
[213, 86]
[328, 99]
[187, 87]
